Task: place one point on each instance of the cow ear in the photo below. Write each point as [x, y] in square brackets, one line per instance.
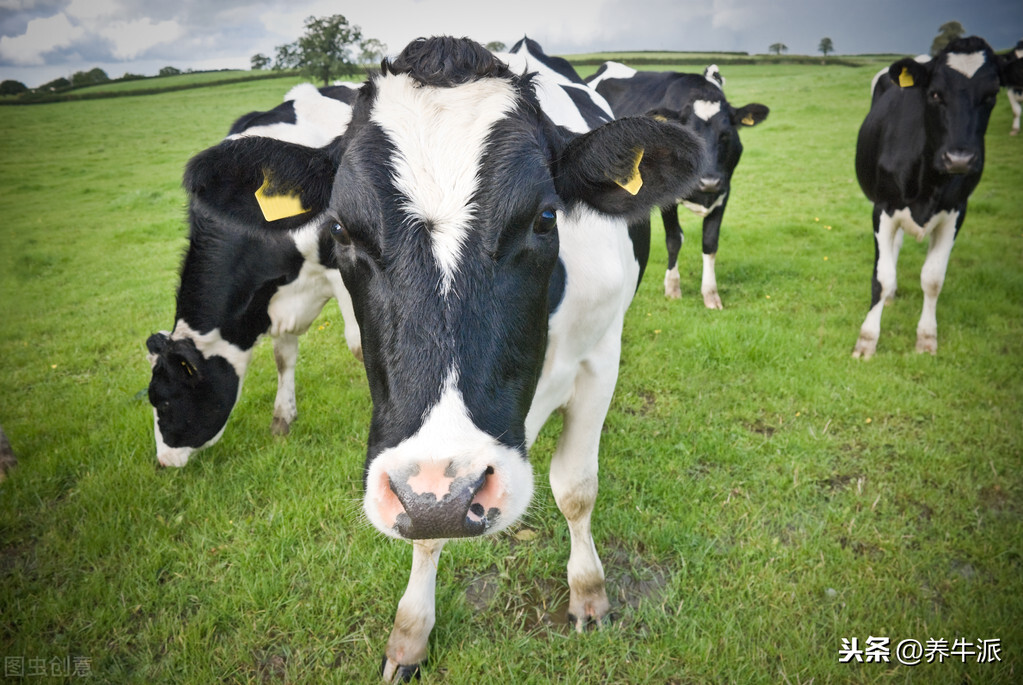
[665, 114]
[628, 166]
[184, 361]
[155, 345]
[261, 182]
[750, 115]
[907, 73]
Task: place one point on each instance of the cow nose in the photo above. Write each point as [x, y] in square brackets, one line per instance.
[710, 184]
[958, 162]
[439, 502]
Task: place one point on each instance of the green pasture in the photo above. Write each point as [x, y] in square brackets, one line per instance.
[763, 495]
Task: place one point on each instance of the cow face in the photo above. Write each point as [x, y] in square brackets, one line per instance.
[717, 123]
[959, 89]
[445, 212]
[192, 397]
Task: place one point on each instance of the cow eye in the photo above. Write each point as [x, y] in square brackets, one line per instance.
[339, 232]
[935, 96]
[545, 222]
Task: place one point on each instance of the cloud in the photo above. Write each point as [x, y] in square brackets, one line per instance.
[131, 39]
[41, 36]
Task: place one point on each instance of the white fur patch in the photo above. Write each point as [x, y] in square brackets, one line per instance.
[706, 109]
[439, 135]
[213, 344]
[318, 119]
[613, 70]
[713, 74]
[552, 91]
[966, 64]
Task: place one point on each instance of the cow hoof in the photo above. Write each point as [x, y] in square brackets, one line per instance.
[865, 348]
[673, 293]
[587, 623]
[712, 300]
[1014, 132]
[927, 343]
[399, 673]
[280, 426]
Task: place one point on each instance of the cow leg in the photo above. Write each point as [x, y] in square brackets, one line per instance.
[896, 248]
[285, 405]
[882, 286]
[353, 337]
[573, 479]
[673, 241]
[1014, 101]
[932, 277]
[711, 232]
[407, 646]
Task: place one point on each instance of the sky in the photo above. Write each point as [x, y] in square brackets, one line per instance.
[41, 40]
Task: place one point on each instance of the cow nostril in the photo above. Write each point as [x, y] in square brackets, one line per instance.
[477, 509]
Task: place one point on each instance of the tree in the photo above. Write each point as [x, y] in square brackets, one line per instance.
[947, 33]
[56, 84]
[778, 48]
[170, 71]
[10, 87]
[372, 51]
[826, 46]
[260, 62]
[326, 51]
[286, 56]
[89, 78]
[496, 46]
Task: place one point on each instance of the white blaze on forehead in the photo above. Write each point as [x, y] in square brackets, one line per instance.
[966, 64]
[705, 109]
[439, 136]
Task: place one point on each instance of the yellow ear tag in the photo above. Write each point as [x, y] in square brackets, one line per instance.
[634, 182]
[188, 367]
[660, 117]
[748, 120]
[276, 207]
[905, 78]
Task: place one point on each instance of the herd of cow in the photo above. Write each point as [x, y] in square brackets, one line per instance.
[484, 221]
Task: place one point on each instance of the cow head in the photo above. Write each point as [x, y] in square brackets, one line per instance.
[958, 89]
[448, 201]
[192, 396]
[709, 115]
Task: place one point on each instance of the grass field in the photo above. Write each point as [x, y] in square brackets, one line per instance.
[763, 495]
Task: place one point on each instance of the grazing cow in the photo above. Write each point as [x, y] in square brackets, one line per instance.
[487, 255]
[919, 155]
[1012, 77]
[7, 459]
[240, 280]
[699, 102]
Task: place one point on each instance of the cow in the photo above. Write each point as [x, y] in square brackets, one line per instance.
[1012, 76]
[919, 155]
[487, 255]
[699, 102]
[241, 280]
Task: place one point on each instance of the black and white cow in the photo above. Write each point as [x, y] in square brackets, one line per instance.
[919, 155]
[1012, 77]
[699, 102]
[487, 255]
[241, 280]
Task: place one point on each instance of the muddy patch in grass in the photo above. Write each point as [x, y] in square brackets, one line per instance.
[541, 603]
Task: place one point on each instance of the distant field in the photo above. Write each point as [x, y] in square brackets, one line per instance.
[763, 496]
[170, 82]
